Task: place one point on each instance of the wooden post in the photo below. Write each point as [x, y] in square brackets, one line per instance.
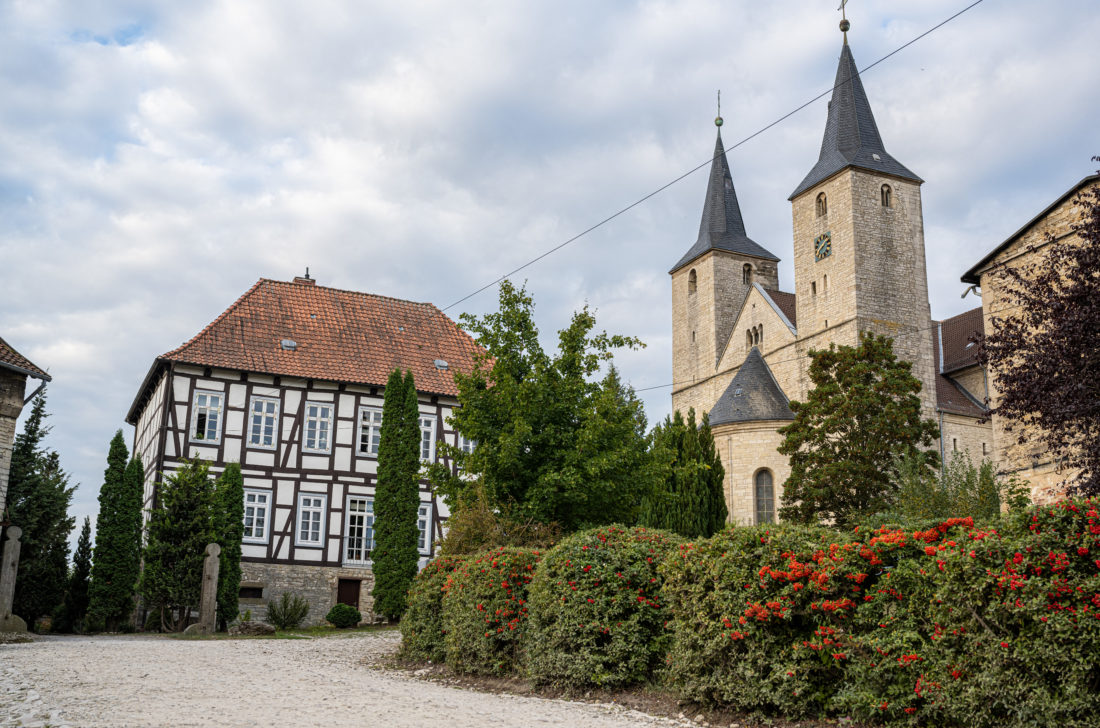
[8, 570]
[208, 601]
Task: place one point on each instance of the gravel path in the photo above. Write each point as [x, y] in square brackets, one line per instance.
[154, 681]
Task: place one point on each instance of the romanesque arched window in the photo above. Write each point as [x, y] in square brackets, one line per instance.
[765, 497]
[825, 283]
[691, 281]
[887, 196]
[822, 205]
[748, 340]
[746, 274]
[760, 334]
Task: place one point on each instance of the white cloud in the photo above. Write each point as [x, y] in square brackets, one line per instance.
[157, 158]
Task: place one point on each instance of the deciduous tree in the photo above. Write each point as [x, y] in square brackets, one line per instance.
[1042, 348]
[554, 444]
[688, 497]
[863, 411]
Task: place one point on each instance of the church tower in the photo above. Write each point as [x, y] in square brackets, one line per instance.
[859, 238]
[710, 282]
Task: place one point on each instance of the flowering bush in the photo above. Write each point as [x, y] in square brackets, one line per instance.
[422, 623]
[596, 614]
[761, 616]
[485, 610]
[985, 627]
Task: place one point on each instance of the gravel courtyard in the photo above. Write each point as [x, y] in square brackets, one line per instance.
[154, 681]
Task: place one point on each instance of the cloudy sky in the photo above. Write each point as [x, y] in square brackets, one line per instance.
[157, 158]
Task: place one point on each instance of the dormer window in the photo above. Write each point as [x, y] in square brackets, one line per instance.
[691, 281]
[887, 196]
[822, 205]
[746, 274]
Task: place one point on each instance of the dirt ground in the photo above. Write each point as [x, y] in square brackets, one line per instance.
[142, 680]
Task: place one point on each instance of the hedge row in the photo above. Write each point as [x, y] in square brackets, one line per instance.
[949, 624]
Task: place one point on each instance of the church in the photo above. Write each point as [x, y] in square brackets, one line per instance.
[741, 346]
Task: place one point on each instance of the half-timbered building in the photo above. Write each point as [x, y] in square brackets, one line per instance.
[289, 382]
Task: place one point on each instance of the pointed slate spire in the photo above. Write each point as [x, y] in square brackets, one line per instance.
[721, 227]
[851, 135]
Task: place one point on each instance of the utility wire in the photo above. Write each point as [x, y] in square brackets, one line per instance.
[695, 169]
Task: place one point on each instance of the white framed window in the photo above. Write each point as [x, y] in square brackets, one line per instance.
[311, 520]
[465, 444]
[263, 423]
[359, 530]
[427, 438]
[423, 526]
[370, 431]
[206, 417]
[318, 429]
[256, 519]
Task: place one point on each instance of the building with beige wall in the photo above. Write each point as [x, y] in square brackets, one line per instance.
[741, 346]
[1029, 459]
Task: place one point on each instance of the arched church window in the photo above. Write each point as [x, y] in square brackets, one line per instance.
[746, 274]
[748, 340]
[691, 281]
[813, 288]
[765, 497]
[825, 283]
[822, 205]
[760, 329]
[887, 196]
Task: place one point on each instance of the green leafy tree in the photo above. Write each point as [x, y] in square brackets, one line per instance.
[689, 498]
[960, 489]
[117, 539]
[863, 411]
[76, 596]
[396, 497]
[180, 527]
[39, 495]
[229, 516]
[554, 444]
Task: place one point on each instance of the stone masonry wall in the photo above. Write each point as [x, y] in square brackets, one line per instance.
[317, 584]
[1030, 460]
[745, 449]
[973, 380]
[961, 434]
[12, 390]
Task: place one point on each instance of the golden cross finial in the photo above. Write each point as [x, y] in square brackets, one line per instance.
[718, 119]
[844, 24]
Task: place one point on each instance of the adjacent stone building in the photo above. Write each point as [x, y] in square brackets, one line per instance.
[289, 382]
[741, 346]
[15, 369]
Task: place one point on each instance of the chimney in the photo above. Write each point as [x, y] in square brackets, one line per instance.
[305, 280]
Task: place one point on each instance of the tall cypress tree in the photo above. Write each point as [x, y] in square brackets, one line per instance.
[229, 493]
[179, 530]
[39, 495]
[76, 598]
[117, 538]
[689, 499]
[396, 497]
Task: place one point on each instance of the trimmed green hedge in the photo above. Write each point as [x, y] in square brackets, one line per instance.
[343, 616]
[485, 611]
[422, 623]
[596, 614]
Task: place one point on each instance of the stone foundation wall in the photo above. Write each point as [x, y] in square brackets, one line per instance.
[317, 584]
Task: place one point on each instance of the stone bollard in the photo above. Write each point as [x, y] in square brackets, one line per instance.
[8, 569]
[208, 602]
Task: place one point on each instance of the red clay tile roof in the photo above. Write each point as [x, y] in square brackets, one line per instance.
[949, 395]
[786, 303]
[12, 359]
[341, 336]
[957, 331]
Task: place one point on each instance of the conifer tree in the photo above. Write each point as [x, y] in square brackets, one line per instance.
[229, 513]
[76, 597]
[396, 497]
[39, 495]
[689, 497]
[180, 527]
[117, 539]
[863, 412]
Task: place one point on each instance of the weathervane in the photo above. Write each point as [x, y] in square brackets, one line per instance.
[718, 119]
[844, 24]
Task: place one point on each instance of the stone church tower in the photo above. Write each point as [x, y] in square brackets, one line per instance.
[741, 346]
[859, 239]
